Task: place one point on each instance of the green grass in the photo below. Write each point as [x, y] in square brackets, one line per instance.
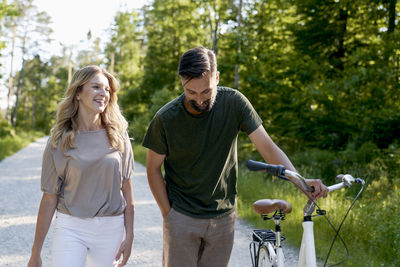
[12, 143]
[371, 231]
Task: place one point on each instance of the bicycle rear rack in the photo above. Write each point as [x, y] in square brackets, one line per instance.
[265, 235]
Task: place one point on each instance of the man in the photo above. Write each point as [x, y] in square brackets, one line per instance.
[195, 137]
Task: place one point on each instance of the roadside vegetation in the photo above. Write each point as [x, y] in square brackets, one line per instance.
[11, 140]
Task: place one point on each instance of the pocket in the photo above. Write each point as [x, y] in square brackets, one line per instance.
[169, 214]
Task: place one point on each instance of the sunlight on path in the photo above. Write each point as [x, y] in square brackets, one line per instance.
[19, 201]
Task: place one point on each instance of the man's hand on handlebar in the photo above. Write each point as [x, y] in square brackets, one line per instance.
[320, 190]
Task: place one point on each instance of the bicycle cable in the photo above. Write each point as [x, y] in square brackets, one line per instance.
[330, 223]
[337, 231]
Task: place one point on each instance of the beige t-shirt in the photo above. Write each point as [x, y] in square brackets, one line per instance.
[88, 180]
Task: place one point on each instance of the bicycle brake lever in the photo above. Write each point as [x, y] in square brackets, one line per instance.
[360, 181]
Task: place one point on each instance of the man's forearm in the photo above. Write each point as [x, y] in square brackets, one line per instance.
[270, 152]
[157, 186]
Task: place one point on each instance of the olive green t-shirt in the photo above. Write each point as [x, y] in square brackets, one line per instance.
[201, 152]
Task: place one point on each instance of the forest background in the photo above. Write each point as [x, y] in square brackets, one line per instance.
[323, 76]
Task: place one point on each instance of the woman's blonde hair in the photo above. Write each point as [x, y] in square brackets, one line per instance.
[111, 118]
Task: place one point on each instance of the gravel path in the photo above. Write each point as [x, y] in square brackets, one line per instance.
[19, 202]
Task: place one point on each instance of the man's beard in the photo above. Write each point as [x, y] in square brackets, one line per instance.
[207, 107]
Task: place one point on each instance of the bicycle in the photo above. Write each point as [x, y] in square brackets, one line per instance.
[266, 245]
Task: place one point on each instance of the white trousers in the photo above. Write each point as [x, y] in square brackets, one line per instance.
[92, 240]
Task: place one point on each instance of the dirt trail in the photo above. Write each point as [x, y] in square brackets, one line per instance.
[19, 201]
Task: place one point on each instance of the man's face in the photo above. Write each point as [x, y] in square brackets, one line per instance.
[200, 92]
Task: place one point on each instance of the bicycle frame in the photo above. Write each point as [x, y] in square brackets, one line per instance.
[307, 256]
[279, 251]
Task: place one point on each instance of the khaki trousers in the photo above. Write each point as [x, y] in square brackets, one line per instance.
[194, 242]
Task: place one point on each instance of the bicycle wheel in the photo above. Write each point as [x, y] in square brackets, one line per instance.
[263, 257]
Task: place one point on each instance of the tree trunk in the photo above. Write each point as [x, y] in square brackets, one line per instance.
[11, 77]
[33, 112]
[238, 45]
[69, 70]
[19, 85]
[392, 16]
[214, 30]
[342, 22]
[112, 62]
[390, 30]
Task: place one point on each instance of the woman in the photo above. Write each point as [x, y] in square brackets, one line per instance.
[86, 170]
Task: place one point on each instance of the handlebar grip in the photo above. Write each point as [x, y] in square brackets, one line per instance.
[339, 177]
[277, 170]
[255, 165]
[348, 180]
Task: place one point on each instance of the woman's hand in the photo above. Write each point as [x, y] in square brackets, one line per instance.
[124, 250]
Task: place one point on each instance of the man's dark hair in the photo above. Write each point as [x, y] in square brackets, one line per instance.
[197, 62]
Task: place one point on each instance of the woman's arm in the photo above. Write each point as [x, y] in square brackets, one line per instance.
[126, 246]
[45, 215]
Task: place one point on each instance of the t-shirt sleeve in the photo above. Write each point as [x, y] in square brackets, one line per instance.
[127, 159]
[249, 120]
[49, 182]
[155, 136]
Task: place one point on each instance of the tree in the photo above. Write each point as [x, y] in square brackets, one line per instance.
[170, 28]
[31, 28]
[7, 11]
[92, 54]
[216, 14]
[124, 54]
[43, 86]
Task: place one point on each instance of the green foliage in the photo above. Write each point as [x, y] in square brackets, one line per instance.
[316, 77]
[125, 59]
[42, 88]
[92, 55]
[321, 75]
[6, 129]
[6, 10]
[139, 124]
[171, 28]
[366, 160]
[9, 144]
[379, 206]
[139, 152]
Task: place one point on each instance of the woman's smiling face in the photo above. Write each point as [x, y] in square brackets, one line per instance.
[94, 95]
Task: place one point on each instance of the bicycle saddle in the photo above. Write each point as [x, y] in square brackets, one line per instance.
[265, 206]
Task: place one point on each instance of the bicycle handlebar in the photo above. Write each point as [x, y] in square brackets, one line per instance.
[281, 172]
[277, 170]
[347, 181]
